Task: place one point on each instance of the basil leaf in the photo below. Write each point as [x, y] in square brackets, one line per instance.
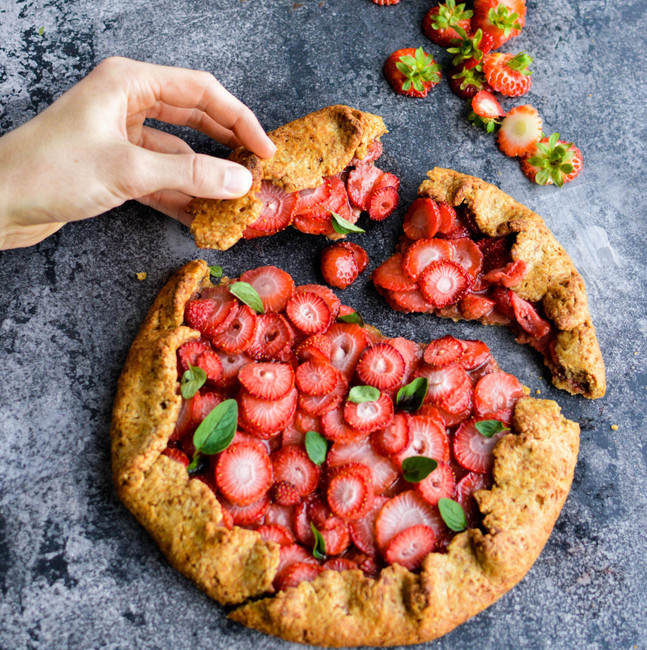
[247, 294]
[359, 394]
[217, 430]
[412, 396]
[319, 548]
[489, 428]
[192, 381]
[417, 468]
[198, 464]
[351, 318]
[316, 446]
[343, 226]
[453, 514]
[215, 271]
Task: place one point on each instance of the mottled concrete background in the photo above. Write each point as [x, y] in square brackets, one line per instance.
[76, 570]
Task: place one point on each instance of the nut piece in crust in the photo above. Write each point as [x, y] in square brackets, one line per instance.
[315, 146]
[533, 471]
[552, 279]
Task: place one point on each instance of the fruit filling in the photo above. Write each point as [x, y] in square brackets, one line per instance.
[445, 266]
[348, 449]
[333, 207]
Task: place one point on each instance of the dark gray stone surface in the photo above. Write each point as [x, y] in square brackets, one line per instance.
[75, 569]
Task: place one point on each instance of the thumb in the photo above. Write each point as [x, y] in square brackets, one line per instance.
[141, 172]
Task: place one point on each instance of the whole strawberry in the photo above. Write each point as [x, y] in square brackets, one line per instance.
[441, 21]
[508, 74]
[466, 82]
[469, 51]
[412, 72]
[501, 22]
[554, 161]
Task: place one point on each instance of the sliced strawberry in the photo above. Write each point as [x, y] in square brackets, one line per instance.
[267, 380]
[383, 469]
[439, 484]
[277, 209]
[335, 535]
[422, 219]
[177, 455]
[468, 255]
[510, 275]
[348, 340]
[316, 377]
[273, 333]
[382, 203]
[293, 434]
[389, 275]
[465, 489]
[231, 364]
[340, 564]
[520, 131]
[324, 292]
[526, 315]
[292, 554]
[314, 348]
[212, 313]
[200, 354]
[276, 533]
[253, 233]
[311, 198]
[292, 465]
[314, 226]
[361, 256]
[410, 547]
[335, 427]
[304, 422]
[319, 405]
[449, 387]
[193, 411]
[295, 574]
[246, 515]
[308, 312]
[475, 307]
[404, 511]
[444, 283]
[393, 438]
[409, 302]
[362, 531]
[496, 252]
[264, 417]
[281, 516]
[422, 253]
[448, 218]
[447, 419]
[381, 366]
[350, 491]
[373, 153]
[386, 180]
[360, 184]
[244, 473]
[508, 74]
[240, 333]
[441, 352]
[497, 391]
[339, 266]
[473, 450]
[428, 438]
[475, 354]
[487, 106]
[285, 494]
[369, 416]
[411, 353]
[272, 284]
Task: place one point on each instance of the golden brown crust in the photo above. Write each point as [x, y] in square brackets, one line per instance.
[532, 475]
[533, 472]
[552, 278]
[308, 149]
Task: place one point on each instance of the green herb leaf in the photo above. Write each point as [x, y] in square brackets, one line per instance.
[453, 514]
[316, 446]
[351, 318]
[343, 226]
[412, 396]
[41, 31]
[217, 430]
[247, 294]
[215, 271]
[489, 428]
[192, 381]
[417, 468]
[319, 548]
[360, 394]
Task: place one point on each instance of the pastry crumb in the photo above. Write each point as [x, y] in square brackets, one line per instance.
[141, 275]
[538, 392]
[614, 427]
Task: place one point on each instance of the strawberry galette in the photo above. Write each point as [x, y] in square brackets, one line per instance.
[469, 251]
[306, 184]
[338, 486]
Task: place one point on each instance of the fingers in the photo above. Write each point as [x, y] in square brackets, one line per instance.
[170, 203]
[189, 89]
[162, 142]
[136, 172]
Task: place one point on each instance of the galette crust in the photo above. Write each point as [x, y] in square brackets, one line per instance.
[552, 279]
[533, 471]
[308, 149]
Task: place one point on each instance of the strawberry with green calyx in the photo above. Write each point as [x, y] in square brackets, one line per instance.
[554, 161]
[412, 72]
[501, 24]
[470, 50]
[508, 74]
[485, 111]
[441, 21]
[466, 82]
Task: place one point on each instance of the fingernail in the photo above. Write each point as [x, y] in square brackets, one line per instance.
[237, 180]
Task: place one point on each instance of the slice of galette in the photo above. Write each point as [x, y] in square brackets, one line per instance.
[471, 252]
[305, 182]
[339, 486]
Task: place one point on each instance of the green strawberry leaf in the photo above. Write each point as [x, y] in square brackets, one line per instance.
[217, 430]
[453, 514]
[319, 548]
[247, 294]
[417, 468]
[343, 226]
[316, 446]
[355, 318]
[215, 271]
[360, 394]
[192, 381]
[412, 396]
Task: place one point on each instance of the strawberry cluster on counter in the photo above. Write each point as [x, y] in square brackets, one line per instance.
[477, 71]
[332, 208]
[349, 449]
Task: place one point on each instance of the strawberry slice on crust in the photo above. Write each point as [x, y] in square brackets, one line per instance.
[276, 533]
[422, 253]
[428, 438]
[362, 531]
[393, 438]
[213, 312]
[389, 275]
[277, 209]
[316, 378]
[350, 491]
[369, 416]
[497, 391]
[266, 418]
[381, 366]
[200, 354]
[308, 312]
[443, 283]
[238, 336]
[244, 473]
[347, 340]
[449, 387]
[443, 352]
[410, 546]
[439, 484]
[465, 489]
[292, 465]
[422, 220]
[472, 450]
[273, 285]
[273, 334]
[319, 405]
[269, 381]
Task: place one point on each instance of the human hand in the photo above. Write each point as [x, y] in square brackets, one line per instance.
[89, 151]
